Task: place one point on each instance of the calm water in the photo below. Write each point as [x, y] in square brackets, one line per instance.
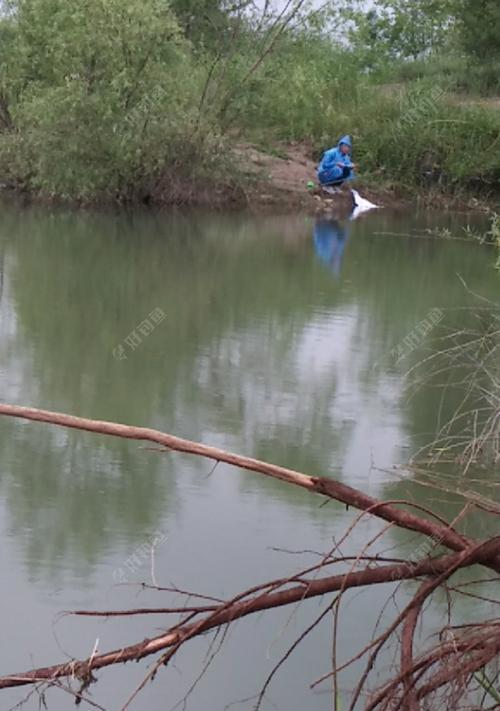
[278, 342]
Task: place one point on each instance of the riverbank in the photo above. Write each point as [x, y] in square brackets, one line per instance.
[238, 119]
[274, 177]
[282, 176]
[279, 176]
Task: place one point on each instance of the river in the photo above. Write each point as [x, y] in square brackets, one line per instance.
[278, 337]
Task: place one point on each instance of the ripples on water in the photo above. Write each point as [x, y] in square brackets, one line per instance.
[277, 343]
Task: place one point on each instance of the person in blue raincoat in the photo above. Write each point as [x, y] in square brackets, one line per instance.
[336, 165]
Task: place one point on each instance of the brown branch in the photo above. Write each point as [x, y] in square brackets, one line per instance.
[407, 636]
[230, 612]
[486, 650]
[459, 657]
[464, 559]
[141, 611]
[330, 488]
[473, 662]
[409, 699]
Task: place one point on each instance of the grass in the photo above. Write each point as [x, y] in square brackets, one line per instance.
[468, 77]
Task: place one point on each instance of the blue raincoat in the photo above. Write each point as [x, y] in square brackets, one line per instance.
[329, 170]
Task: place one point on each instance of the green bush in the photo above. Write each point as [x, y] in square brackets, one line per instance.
[98, 107]
[480, 79]
[433, 143]
[303, 91]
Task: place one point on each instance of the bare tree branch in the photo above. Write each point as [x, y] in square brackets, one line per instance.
[242, 607]
[330, 488]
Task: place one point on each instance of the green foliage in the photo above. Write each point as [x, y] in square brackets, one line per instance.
[468, 77]
[203, 21]
[432, 143]
[303, 91]
[479, 23]
[415, 137]
[457, 38]
[395, 29]
[96, 99]
[481, 79]
[439, 67]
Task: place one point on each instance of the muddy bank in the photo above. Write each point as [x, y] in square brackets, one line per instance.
[280, 178]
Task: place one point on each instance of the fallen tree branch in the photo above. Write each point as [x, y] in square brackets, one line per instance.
[229, 612]
[459, 658]
[332, 489]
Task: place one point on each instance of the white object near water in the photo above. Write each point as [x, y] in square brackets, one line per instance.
[360, 205]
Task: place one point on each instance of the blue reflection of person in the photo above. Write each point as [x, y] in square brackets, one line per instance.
[330, 238]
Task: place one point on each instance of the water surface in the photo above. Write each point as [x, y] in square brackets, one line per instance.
[278, 341]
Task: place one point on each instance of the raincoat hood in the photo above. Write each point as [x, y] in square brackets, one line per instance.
[347, 140]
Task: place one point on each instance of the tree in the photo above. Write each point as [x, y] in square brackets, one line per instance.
[203, 21]
[479, 26]
[403, 28]
[86, 83]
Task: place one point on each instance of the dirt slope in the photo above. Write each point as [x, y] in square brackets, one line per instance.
[282, 177]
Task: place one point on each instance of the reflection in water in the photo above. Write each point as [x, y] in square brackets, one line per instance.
[330, 237]
[259, 353]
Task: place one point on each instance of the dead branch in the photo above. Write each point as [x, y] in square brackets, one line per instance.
[242, 607]
[457, 659]
[409, 626]
[329, 488]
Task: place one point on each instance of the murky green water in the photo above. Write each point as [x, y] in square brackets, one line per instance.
[277, 341]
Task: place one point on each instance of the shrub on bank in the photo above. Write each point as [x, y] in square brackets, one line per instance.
[103, 99]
